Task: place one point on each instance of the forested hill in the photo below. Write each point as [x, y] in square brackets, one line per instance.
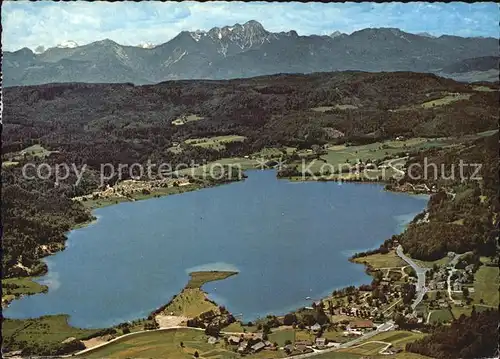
[467, 337]
[121, 122]
[94, 124]
[466, 220]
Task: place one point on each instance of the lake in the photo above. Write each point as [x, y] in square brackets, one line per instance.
[288, 240]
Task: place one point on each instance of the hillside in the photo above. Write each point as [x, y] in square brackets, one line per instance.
[80, 119]
[474, 64]
[184, 121]
[241, 51]
[472, 70]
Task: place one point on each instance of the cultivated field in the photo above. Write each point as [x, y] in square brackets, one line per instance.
[215, 143]
[379, 260]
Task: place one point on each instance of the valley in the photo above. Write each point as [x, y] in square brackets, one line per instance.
[284, 137]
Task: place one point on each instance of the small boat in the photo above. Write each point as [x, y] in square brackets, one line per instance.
[308, 298]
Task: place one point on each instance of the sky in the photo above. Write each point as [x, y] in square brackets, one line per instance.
[46, 23]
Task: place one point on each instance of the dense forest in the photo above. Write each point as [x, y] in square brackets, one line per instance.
[467, 338]
[93, 124]
[465, 218]
[97, 123]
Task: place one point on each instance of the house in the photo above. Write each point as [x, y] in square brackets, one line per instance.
[258, 336]
[233, 339]
[457, 286]
[243, 347]
[442, 303]
[288, 348]
[441, 285]
[301, 348]
[320, 342]
[212, 340]
[12, 354]
[258, 347]
[360, 324]
[316, 327]
[268, 343]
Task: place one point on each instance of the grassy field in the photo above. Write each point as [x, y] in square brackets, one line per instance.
[335, 336]
[366, 349]
[402, 355]
[429, 264]
[25, 286]
[337, 355]
[486, 284]
[45, 331]
[189, 303]
[341, 156]
[281, 336]
[158, 344]
[378, 260]
[483, 89]
[338, 107]
[235, 327]
[9, 163]
[185, 119]
[446, 100]
[397, 337]
[440, 316]
[192, 301]
[216, 143]
[167, 344]
[272, 152]
[137, 196]
[304, 335]
[199, 278]
[443, 101]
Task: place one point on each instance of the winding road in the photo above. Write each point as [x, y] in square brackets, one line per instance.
[389, 325]
[420, 287]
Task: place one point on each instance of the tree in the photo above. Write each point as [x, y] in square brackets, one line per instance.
[196, 355]
[290, 319]
[465, 292]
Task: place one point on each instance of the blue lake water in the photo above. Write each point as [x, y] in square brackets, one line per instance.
[288, 241]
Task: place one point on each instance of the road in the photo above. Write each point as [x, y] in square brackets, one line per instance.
[139, 333]
[389, 325]
[452, 264]
[420, 287]
[383, 328]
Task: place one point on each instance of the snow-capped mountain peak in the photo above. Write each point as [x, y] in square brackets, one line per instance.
[146, 45]
[68, 44]
[230, 39]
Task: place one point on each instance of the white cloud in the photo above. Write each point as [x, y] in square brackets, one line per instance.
[32, 24]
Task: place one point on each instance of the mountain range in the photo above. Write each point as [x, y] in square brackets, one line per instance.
[241, 51]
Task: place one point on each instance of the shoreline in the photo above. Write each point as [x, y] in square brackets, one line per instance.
[158, 310]
[94, 219]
